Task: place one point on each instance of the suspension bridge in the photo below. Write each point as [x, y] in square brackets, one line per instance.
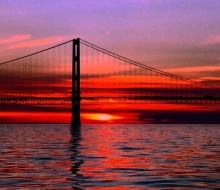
[78, 72]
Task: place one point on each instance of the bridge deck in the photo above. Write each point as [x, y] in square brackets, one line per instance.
[110, 100]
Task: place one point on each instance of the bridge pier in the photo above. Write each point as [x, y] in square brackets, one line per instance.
[76, 83]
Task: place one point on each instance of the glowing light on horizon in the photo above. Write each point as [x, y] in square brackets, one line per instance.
[100, 117]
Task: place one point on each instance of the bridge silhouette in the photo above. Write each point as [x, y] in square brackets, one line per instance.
[78, 72]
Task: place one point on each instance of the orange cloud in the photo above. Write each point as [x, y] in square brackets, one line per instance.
[37, 42]
[208, 78]
[211, 40]
[129, 81]
[192, 69]
[15, 38]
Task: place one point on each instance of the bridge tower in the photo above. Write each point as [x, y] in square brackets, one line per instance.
[76, 83]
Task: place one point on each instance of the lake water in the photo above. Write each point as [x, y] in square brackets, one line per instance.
[110, 157]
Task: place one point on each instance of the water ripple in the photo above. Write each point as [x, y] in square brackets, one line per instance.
[110, 157]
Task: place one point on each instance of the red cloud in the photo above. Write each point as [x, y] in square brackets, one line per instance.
[193, 69]
[211, 40]
[15, 38]
[37, 42]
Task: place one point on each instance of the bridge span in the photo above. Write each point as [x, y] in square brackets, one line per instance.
[78, 72]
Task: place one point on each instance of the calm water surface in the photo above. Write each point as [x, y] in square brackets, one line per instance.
[110, 157]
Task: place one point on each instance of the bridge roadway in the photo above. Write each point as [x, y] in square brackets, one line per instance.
[110, 100]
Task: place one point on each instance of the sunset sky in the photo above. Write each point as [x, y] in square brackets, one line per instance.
[160, 33]
[177, 36]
